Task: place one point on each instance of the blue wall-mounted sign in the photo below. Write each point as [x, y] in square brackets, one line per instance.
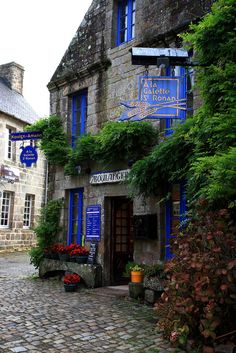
[28, 155]
[93, 223]
[22, 136]
[159, 97]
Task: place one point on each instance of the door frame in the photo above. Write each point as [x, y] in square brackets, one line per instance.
[112, 235]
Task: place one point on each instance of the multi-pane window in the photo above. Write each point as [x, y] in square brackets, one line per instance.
[75, 216]
[6, 204]
[126, 21]
[79, 114]
[9, 146]
[28, 211]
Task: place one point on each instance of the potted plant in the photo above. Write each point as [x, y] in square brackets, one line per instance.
[63, 253]
[79, 254]
[71, 281]
[137, 274]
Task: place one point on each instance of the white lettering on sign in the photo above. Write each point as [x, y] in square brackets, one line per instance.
[109, 177]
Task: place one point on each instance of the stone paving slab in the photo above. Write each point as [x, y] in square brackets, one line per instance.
[38, 316]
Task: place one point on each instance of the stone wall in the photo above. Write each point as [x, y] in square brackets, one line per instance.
[93, 61]
[32, 181]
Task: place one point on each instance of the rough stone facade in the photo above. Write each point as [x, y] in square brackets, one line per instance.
[16, 236]
[94, 62]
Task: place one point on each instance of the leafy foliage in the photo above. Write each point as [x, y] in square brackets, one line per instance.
[115, 142]
[54, 142]
[169, 161]
[200, 301]
[46, 230]
[84, 152]
[128, 141]
[155, 270]
[216, 175]
[200, 148]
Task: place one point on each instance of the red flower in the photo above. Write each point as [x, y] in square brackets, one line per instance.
[71, 278]
[79, 251]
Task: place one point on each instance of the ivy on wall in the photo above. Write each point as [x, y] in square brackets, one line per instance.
[54, 142]
[115, 142]
[203, 149]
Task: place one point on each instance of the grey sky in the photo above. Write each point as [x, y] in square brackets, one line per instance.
[36, 34]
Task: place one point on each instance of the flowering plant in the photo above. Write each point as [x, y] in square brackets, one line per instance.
[61, 249]
[79, 251]
[71, 278]
[71, 247]
[55, 248]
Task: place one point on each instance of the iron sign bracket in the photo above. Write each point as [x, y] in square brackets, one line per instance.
[161, 56]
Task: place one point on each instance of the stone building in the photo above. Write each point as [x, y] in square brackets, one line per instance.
[93, 77]
[21, 188]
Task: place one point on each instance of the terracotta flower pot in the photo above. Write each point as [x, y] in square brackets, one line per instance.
[137, 276]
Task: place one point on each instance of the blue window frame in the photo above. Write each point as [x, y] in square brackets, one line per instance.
[79, 115]
[126, 21]
[171, 217]
[75, 216]
[178, 71]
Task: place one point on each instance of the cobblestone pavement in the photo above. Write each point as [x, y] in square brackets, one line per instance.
[38, 316]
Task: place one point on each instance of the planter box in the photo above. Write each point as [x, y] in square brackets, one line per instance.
[136, 290]
[90, 274]
[153, 289]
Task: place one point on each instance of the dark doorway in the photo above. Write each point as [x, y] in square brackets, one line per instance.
[122, 240]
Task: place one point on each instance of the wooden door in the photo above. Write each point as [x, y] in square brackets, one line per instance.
[122, 238]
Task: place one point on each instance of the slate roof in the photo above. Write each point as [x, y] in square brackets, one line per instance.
[14, 104]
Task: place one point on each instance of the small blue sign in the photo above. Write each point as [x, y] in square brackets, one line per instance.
[28, 155]
[22, 136]
[93, 223]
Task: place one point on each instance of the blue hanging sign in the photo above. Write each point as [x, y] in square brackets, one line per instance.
[159, 97]
[29, 135]
[93, 223]
[28, 155]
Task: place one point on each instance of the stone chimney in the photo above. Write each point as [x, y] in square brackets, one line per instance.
[13, 74]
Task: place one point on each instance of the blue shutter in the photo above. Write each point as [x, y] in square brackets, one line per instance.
[79, 114]
[183, 202]
[75, 217]
[124, 32]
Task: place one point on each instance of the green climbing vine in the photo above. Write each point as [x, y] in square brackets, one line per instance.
[54, 142]
[203, 149]
[46, 230]
[115, 142]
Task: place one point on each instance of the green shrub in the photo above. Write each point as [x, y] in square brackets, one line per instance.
[120, 142]
[54, 142]
[46, 230]
[155, 270]
[200, 298]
